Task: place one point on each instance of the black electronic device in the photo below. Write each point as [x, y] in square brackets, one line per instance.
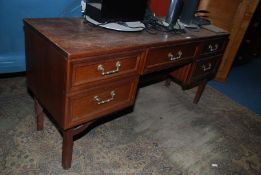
[175, 8]
[104, 11]
[181, 14]
[121, 15]
[188, 12]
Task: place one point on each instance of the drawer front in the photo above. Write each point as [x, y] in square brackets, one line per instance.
[164, 57]
[213, 47]
[87, 71]
[204, 68]
[101, 100]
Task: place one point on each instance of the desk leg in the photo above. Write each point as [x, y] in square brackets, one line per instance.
[67, 148]
[199, 92]
[38, 114]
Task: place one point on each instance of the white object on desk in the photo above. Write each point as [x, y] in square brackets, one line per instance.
[125, 26]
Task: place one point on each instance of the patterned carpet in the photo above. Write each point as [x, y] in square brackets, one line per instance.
[217, 136]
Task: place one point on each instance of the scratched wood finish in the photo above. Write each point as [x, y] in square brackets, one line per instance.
[59, 52]
[203, 67]
[165, 57]
[64, 59]
[213, 47]
[86, 72]
[75, 39]
[46, 74]
[84, 107]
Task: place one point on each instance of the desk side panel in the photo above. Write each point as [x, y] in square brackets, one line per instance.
[46, 73]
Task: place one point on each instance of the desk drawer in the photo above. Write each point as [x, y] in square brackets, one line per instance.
[164, 57]
[86, 71]
[213, 47]
[101, 100]
[204, 68]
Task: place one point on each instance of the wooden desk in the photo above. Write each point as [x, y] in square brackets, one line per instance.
[79, 73]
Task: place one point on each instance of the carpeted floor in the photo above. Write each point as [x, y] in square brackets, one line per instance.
[165, 134]
[243, 84]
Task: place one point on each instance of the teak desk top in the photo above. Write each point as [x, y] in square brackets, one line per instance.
[79, 72]
[76, 38]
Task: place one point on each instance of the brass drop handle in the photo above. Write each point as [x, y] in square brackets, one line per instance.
[101, 69]
[173, 58]
[206, 68]
[100, 101]
[213, 49]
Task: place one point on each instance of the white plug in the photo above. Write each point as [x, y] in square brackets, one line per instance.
[83, 4]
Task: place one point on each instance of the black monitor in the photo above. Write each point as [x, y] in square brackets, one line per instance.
[188, 11]
[116, 10]
[124, 10]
